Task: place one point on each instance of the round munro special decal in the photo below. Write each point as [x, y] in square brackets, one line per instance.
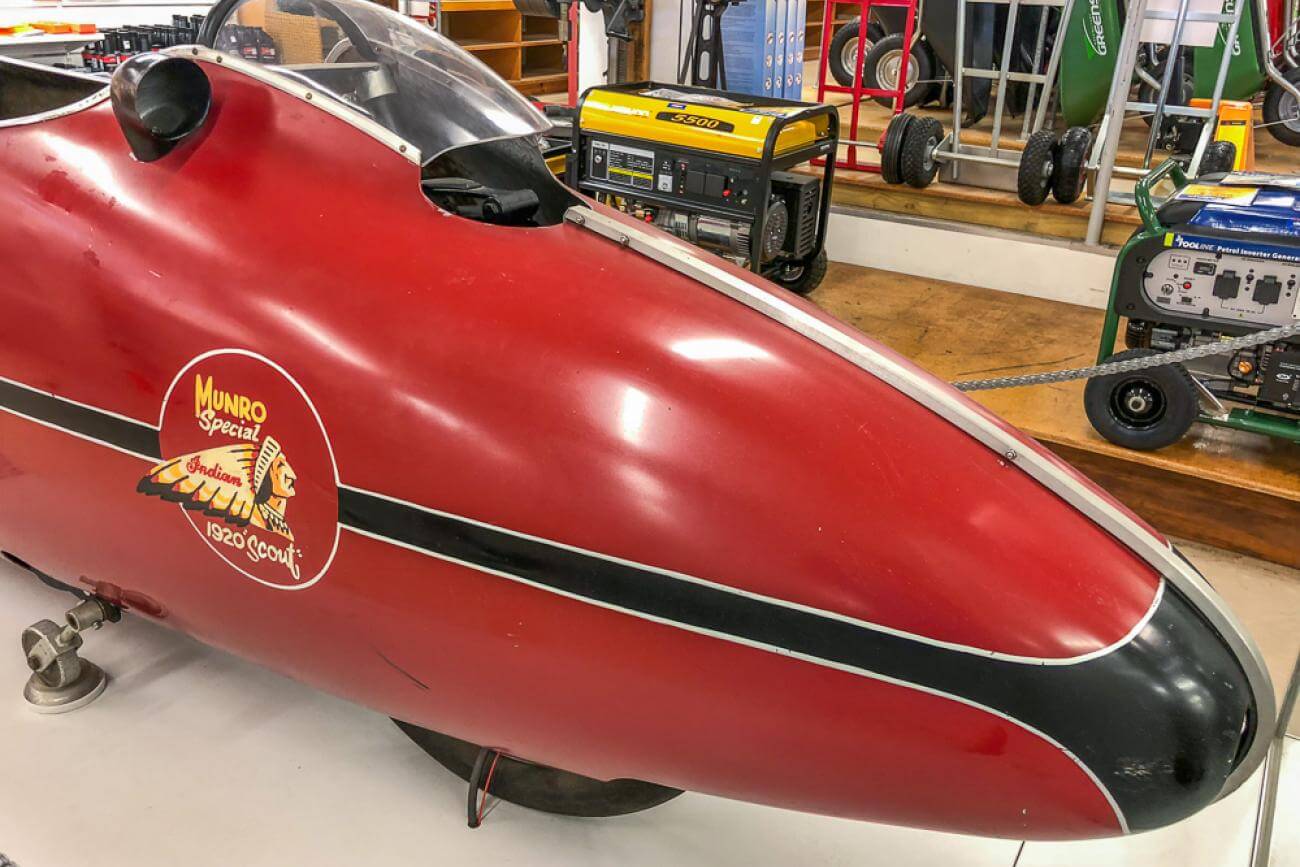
[251, 466]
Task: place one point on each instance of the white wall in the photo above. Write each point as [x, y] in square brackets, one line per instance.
[669, 26]
[992, 260]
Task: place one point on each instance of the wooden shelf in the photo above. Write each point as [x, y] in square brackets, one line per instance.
[478, 6]
[813, 28]
[484, 44]
[524, 50]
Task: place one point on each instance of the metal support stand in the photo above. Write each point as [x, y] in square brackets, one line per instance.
[1272, 769]
[706, 66]
[481, 778]
[61, 680]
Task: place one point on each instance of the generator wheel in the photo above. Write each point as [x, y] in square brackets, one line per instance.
[1145, 410]
[802, 279]
[1037, 167]
[891, 166]
[917, 165]
[1071, 161]
[539, 787]
[842, 58]
[1282, 112]
[883, 63]
[1218, 158]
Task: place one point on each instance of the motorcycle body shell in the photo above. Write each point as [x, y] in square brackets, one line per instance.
[538, 491]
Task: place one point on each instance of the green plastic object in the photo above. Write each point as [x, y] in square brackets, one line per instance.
[1088, 60]
[1245, 71]
[1248, 420]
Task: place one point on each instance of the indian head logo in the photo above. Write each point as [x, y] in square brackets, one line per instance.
[250, 467]
[244, 485]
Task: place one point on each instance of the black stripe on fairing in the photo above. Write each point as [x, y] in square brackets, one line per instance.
[132, 436]
[1158, 721]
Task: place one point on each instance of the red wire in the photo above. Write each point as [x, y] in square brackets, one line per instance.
[487, 784]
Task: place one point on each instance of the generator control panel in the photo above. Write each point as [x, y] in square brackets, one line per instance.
[1223, 287]
[672, 175]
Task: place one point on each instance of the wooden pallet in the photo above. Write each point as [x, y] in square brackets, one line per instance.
[1225, 488]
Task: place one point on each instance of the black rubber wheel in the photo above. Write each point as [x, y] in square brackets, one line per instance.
[1218, 158]
[1071, 159]
[802, 279]
[891, 165]
[917, 165]
[935, 90]
[1282, 111]
[1146, 410]
[842, 54]
[538, 787]
[881, 66]
[1037, 168]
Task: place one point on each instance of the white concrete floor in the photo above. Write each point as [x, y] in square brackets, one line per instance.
[195, 757]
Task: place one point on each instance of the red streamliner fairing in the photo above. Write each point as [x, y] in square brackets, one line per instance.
[539, 491]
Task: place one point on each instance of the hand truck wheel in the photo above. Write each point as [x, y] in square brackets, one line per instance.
[917, 165]
[891, 151]
[1144, 410]
[1037, 168]
[842, 56]
[1282, 112]
[883, 64]
[1071, 162]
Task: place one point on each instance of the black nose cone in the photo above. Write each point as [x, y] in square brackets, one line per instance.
[1176, 715]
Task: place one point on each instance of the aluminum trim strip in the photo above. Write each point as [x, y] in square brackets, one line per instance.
[951, 405]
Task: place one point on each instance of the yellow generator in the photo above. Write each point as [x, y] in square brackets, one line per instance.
[714, 168]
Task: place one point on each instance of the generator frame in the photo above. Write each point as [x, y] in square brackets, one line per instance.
[1266, 422]
[766, 164]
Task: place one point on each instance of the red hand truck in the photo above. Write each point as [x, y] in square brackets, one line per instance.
[857, 91]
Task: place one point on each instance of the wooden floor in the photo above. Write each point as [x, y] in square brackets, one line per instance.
[1229, 489]
[995, 208]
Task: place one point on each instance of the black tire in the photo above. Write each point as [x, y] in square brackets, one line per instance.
[1037, 168]
[917, 165]
[1282, 112]
[1068, 179]
[843, 50]
[880, 70]
[891, 166]
[1146, 410]
[538, 787]
[934, 90]
[1218, 158]
[802, 279]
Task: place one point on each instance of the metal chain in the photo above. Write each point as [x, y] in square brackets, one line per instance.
[1134, 364]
